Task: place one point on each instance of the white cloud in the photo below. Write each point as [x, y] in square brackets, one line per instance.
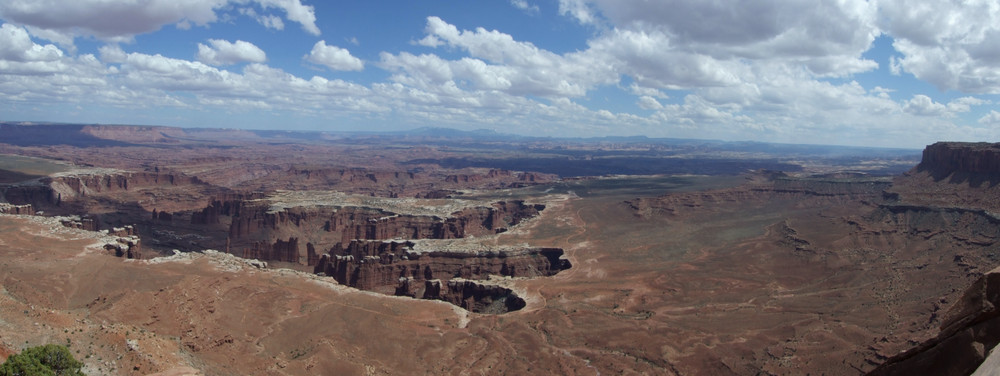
[924, 106]
[269, 21]
[334, 57]
[747, 70]
[649, 103]
[635, 89]
[521, 67]
[223, 52]
[827, 37]
[112, 53]
[964, 104]
[523, 5]
[992, 118]
[121, 20]
[952, 46]
[577, 9]
[295, 11]
[16, 45]
[649, 58]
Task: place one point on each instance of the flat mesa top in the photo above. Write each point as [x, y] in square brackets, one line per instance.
[440, 207]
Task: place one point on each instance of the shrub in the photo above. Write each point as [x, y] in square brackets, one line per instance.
[48, 360]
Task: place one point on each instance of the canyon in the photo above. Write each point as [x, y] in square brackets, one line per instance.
[283, 253]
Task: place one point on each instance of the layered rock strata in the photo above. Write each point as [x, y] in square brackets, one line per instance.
[946, 158]
[17, 209]
[394, 267]
[256, 231]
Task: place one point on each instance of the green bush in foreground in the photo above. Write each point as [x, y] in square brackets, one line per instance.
[48, 360]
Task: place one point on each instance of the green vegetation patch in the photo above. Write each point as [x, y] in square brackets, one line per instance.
[47, 360]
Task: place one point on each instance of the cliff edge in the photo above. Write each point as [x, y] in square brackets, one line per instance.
[970, 330]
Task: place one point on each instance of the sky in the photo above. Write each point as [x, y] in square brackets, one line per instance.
[867, 73]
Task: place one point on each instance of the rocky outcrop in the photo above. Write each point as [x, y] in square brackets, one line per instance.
[953, 174]
[83, 223]
[16, 209]
[36, 195]
[89, 184]
[471, 295]
[280, 250]
[393, 267]
[374, 265]
[127, 247]
[101, 192]
[255, 229]
[970, 330]
[946, 158]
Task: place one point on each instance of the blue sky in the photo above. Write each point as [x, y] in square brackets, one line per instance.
[873, 73]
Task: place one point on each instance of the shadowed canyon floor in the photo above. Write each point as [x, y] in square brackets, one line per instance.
[831, 268]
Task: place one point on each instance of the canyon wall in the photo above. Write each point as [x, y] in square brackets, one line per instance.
[970, 330]
[945, 158]
[258, 232]
[952, 193]
[395, 268]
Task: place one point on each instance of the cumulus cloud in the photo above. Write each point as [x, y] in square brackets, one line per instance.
[992, 118]
[121, 20]
[334, 57]
[223, 52]
[748, 70]
[964, 104]
[16, 45]
[498, 62]
[649, 103]
[924, 106]
[295, 11]
[951, 46]
[827, 38]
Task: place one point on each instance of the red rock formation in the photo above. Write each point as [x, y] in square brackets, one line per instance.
[85, 223]
[280, 250]
[473, 296]
[256, 229]
[123, 231]
[37, 195]
[83, 185]
[126, 246]
[944, 158]
[384, 265]
[953, 174]
[970, 330]
[17, 209]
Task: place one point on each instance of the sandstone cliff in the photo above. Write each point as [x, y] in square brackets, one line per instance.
[952, 194]
[16, 209]
[947, 158]
[970, 330]
[393, 267]
[259, 232]
[953, 174]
